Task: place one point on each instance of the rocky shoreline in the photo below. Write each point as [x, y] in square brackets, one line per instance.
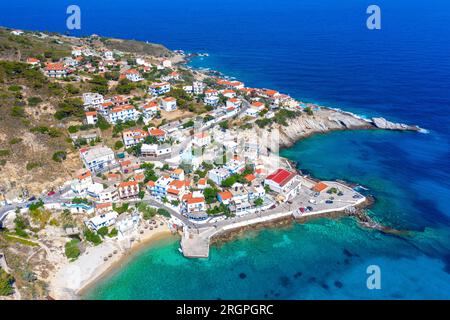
[360, 215]
[327, 120]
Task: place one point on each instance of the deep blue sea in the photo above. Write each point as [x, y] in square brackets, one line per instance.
[318, 51]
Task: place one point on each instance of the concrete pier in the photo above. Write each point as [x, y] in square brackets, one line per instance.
[195, 242]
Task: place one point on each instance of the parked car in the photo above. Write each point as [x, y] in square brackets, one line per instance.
[329, 202]
[302, 210]
[309, 208]
[51, 193]
[32, 198]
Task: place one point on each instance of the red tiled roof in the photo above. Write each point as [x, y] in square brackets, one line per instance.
[257, 104]
[281, 176]
[128, 184]
[84, 175]
[173, 191]
[55, 67]
[320, 186]
[225, 195]
[250, 177]
[157, 132]
[103, 205]
[177, 184]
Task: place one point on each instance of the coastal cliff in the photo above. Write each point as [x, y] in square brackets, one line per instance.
[326, 120]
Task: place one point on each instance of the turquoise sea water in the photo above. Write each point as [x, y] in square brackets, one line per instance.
[318, 260]
[319, 51]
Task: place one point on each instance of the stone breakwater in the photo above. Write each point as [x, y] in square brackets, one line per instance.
[326, 120]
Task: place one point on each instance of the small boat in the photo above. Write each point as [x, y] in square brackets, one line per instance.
[179, 250]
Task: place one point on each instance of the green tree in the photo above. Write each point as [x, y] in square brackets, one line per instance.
[210, 195]
[118, 145]
[72, 250]
[102, 123]
[228, 182]
[59, 156]
[103, 231]
[6, 283]
[224, 124]
[92, 237]
[163, 212]
[259, 202]
[113, 233]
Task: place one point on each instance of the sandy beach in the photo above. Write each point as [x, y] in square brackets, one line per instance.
[71, 279]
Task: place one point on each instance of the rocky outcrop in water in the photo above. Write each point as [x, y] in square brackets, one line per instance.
[325, 120]
[384, 124]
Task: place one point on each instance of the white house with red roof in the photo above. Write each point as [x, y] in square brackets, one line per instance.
[158, 133]
[133, 75]
[150, 108]
[133, 137]
[56, 70]
[169, 104]
[82, 183]
[119, 101]
[33, 61]
[192, 204]
[159, 88]
[211, 92]
[255, 108]
[228, 93]
[91, 117]
[177, 174]
[202, 183]
[233, 103]
[128, 190]
[172, 76]
[201, 139]
[176, 190]
[122, 113]
[284, 182]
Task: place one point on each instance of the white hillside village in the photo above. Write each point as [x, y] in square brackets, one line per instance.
[165, 147]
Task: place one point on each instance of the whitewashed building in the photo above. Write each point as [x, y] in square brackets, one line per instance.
[169, 104]
[157, 89]
[80, 185]
[123, 113]
[218, 175]
[102, 220]
[98, 159]
[198, 87]
[133, 75]
[91, 117]
[133, 137]
[92, 100]
[155, 150]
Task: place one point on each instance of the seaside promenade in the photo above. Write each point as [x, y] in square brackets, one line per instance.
[197, 237]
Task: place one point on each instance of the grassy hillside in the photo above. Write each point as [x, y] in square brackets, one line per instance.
[29, 134]
[138, 47]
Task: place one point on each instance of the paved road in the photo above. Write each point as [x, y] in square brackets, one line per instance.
[56, 198]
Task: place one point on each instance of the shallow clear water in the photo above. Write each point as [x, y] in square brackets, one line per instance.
[319, 51]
